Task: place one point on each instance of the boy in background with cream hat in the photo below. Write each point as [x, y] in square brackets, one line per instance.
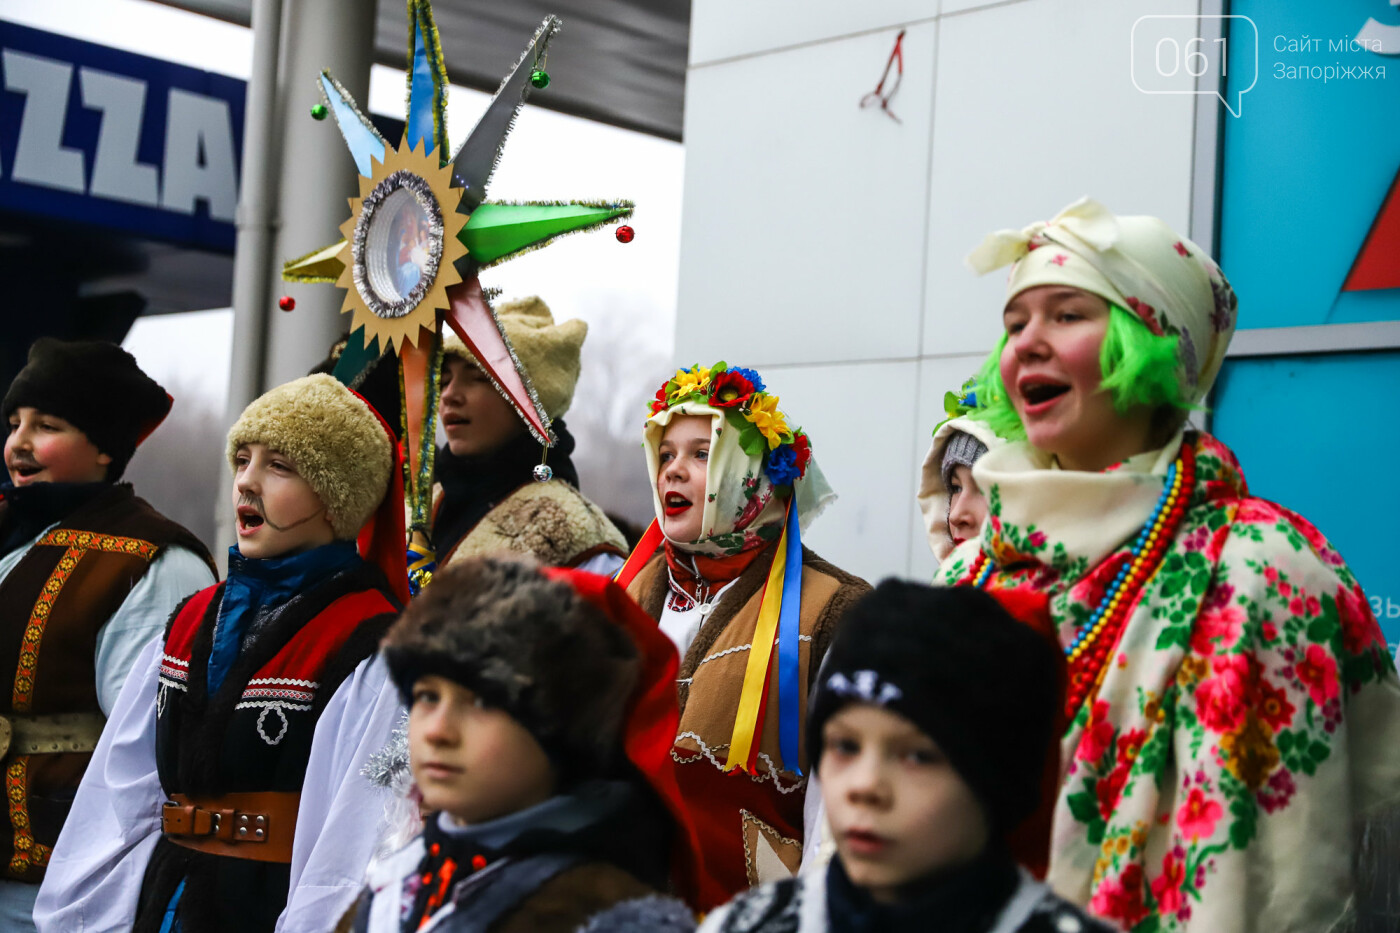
[490, 498]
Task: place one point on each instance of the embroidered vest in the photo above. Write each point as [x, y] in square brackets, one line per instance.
[253, 734]
[52, 606]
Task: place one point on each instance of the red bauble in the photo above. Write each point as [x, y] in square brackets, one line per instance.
[286, 302]
[625, 234]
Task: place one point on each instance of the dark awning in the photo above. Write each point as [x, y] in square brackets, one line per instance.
[616, 61]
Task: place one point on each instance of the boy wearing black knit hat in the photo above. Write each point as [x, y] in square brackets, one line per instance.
[89, 573]
[931, 727]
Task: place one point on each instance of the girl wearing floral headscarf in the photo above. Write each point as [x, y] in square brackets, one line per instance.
[750, 610]
[1233, 704]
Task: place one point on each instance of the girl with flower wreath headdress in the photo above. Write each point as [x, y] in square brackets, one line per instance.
[1233, 708]
[751, 611]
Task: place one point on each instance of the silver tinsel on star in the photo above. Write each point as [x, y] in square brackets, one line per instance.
[388, 767]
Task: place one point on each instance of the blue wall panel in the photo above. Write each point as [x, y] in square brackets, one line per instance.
[1308, 162]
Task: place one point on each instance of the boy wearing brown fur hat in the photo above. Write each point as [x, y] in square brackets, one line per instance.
[188, 818]
[489, 500]
[89, 573]
[541, 709]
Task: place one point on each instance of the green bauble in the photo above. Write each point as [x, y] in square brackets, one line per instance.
[318, 112]
[540, 79]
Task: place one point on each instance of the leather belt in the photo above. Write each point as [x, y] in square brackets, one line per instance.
[22, 734]
[249, 826]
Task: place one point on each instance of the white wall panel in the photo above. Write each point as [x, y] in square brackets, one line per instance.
[959, 6]
[1035, 107]
[802, 232]
[859, 419]
[722, 29]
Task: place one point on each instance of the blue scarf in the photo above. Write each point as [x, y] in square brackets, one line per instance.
[256, 588]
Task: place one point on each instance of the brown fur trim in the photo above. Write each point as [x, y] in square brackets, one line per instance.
[333, 439]
[552, 522]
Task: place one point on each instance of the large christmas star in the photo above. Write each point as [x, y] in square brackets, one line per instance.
[419, 232]
[412, 207]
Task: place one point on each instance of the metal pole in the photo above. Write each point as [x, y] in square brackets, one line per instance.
[318, 174]
[252, 262]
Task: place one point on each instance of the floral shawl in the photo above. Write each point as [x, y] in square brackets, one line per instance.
[1248, 714]
[741, 510]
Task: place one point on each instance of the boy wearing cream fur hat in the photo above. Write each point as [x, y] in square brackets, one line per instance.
[186, 818]
[489, 499]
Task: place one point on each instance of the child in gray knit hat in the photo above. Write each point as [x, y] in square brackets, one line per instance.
[967, 506]
[953, 507]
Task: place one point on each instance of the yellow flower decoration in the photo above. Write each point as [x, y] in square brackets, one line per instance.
[764, 414]
[688, 381]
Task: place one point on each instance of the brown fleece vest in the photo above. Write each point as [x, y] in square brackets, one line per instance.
[52, 606]
[736, 814]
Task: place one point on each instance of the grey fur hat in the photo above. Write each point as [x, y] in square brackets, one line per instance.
[528, 645]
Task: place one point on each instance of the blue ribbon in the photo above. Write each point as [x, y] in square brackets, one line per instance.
[789, 628]
[421, 106]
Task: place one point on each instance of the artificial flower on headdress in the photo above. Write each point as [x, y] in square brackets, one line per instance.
[732, 390]
[960, 403]
[740, 394]
[691, 381]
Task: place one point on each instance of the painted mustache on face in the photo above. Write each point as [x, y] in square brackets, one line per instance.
[255, 502]
[21, 460]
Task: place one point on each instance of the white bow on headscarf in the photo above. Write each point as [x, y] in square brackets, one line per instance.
[1086, 221]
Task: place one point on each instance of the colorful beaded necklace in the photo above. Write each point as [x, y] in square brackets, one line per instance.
[1098, 636]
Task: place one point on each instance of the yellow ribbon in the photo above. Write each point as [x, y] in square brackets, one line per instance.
[741, 743]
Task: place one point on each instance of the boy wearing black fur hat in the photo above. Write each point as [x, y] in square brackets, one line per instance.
[187, 821]
[89, 573]
[931, 727]
[541, 711]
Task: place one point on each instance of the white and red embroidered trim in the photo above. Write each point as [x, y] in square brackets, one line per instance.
[279, 691]
[174, 672]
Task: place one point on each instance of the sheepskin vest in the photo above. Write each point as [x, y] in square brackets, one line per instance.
[745, 821]
[53, 604]
[252, 735]
[552, 521]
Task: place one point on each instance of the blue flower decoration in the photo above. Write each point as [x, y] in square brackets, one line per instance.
[781, 465]
[751, 376]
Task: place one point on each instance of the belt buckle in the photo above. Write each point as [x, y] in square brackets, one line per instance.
[178, 820]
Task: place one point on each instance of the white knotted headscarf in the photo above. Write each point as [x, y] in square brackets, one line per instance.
[742, 509]
[1135, 262]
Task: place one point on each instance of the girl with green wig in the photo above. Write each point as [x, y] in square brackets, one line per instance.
[1232, 704]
